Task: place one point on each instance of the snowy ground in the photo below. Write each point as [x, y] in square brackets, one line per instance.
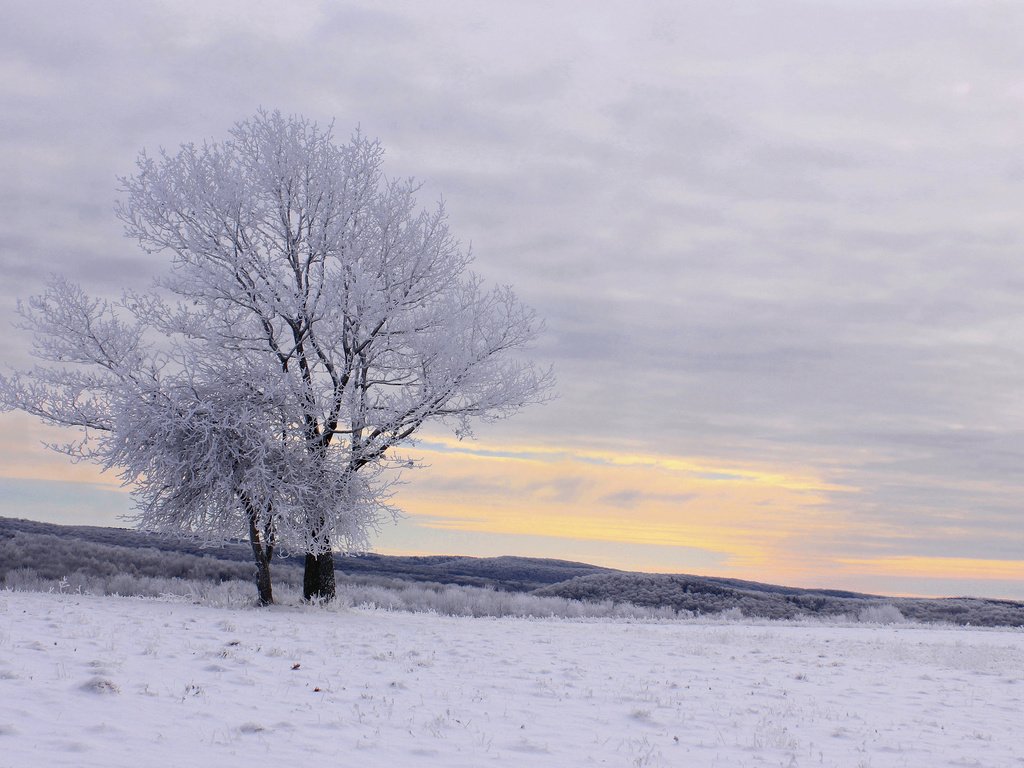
[100, 681]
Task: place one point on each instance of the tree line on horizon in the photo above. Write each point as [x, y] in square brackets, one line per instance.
[40, 556]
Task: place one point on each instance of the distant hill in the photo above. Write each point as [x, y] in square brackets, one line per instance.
[714, 595]
[54, 551]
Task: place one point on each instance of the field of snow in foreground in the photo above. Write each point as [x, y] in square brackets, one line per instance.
[101, 681]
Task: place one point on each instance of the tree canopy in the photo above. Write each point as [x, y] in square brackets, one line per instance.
[312, 319]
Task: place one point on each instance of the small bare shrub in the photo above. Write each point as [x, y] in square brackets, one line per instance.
[886, 613]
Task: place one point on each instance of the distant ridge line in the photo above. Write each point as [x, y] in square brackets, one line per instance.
[53, 551]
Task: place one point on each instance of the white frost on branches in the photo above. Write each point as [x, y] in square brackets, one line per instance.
[313, 319]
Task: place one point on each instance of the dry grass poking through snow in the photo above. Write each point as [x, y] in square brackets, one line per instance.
[387, 594]
[399, 595]
[106, 682]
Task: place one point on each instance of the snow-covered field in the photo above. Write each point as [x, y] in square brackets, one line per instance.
[101, 681]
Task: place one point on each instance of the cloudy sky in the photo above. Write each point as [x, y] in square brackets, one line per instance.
[778, 246]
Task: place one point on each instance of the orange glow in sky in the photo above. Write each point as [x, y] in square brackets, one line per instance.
[645, 511]
[742, 515]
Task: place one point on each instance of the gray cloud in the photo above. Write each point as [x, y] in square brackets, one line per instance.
[566, 489]
[632, 497]
[782, 232]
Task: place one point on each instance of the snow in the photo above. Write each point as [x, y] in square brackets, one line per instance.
[102, 681]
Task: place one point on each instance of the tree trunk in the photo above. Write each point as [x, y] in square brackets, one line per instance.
[318, 579]
[264, 586]
[262, 555]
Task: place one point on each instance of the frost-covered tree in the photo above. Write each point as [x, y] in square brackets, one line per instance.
[313, 319]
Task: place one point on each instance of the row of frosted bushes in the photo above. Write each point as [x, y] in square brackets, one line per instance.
[386, 594]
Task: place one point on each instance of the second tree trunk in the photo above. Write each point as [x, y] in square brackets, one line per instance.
[318, 579]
